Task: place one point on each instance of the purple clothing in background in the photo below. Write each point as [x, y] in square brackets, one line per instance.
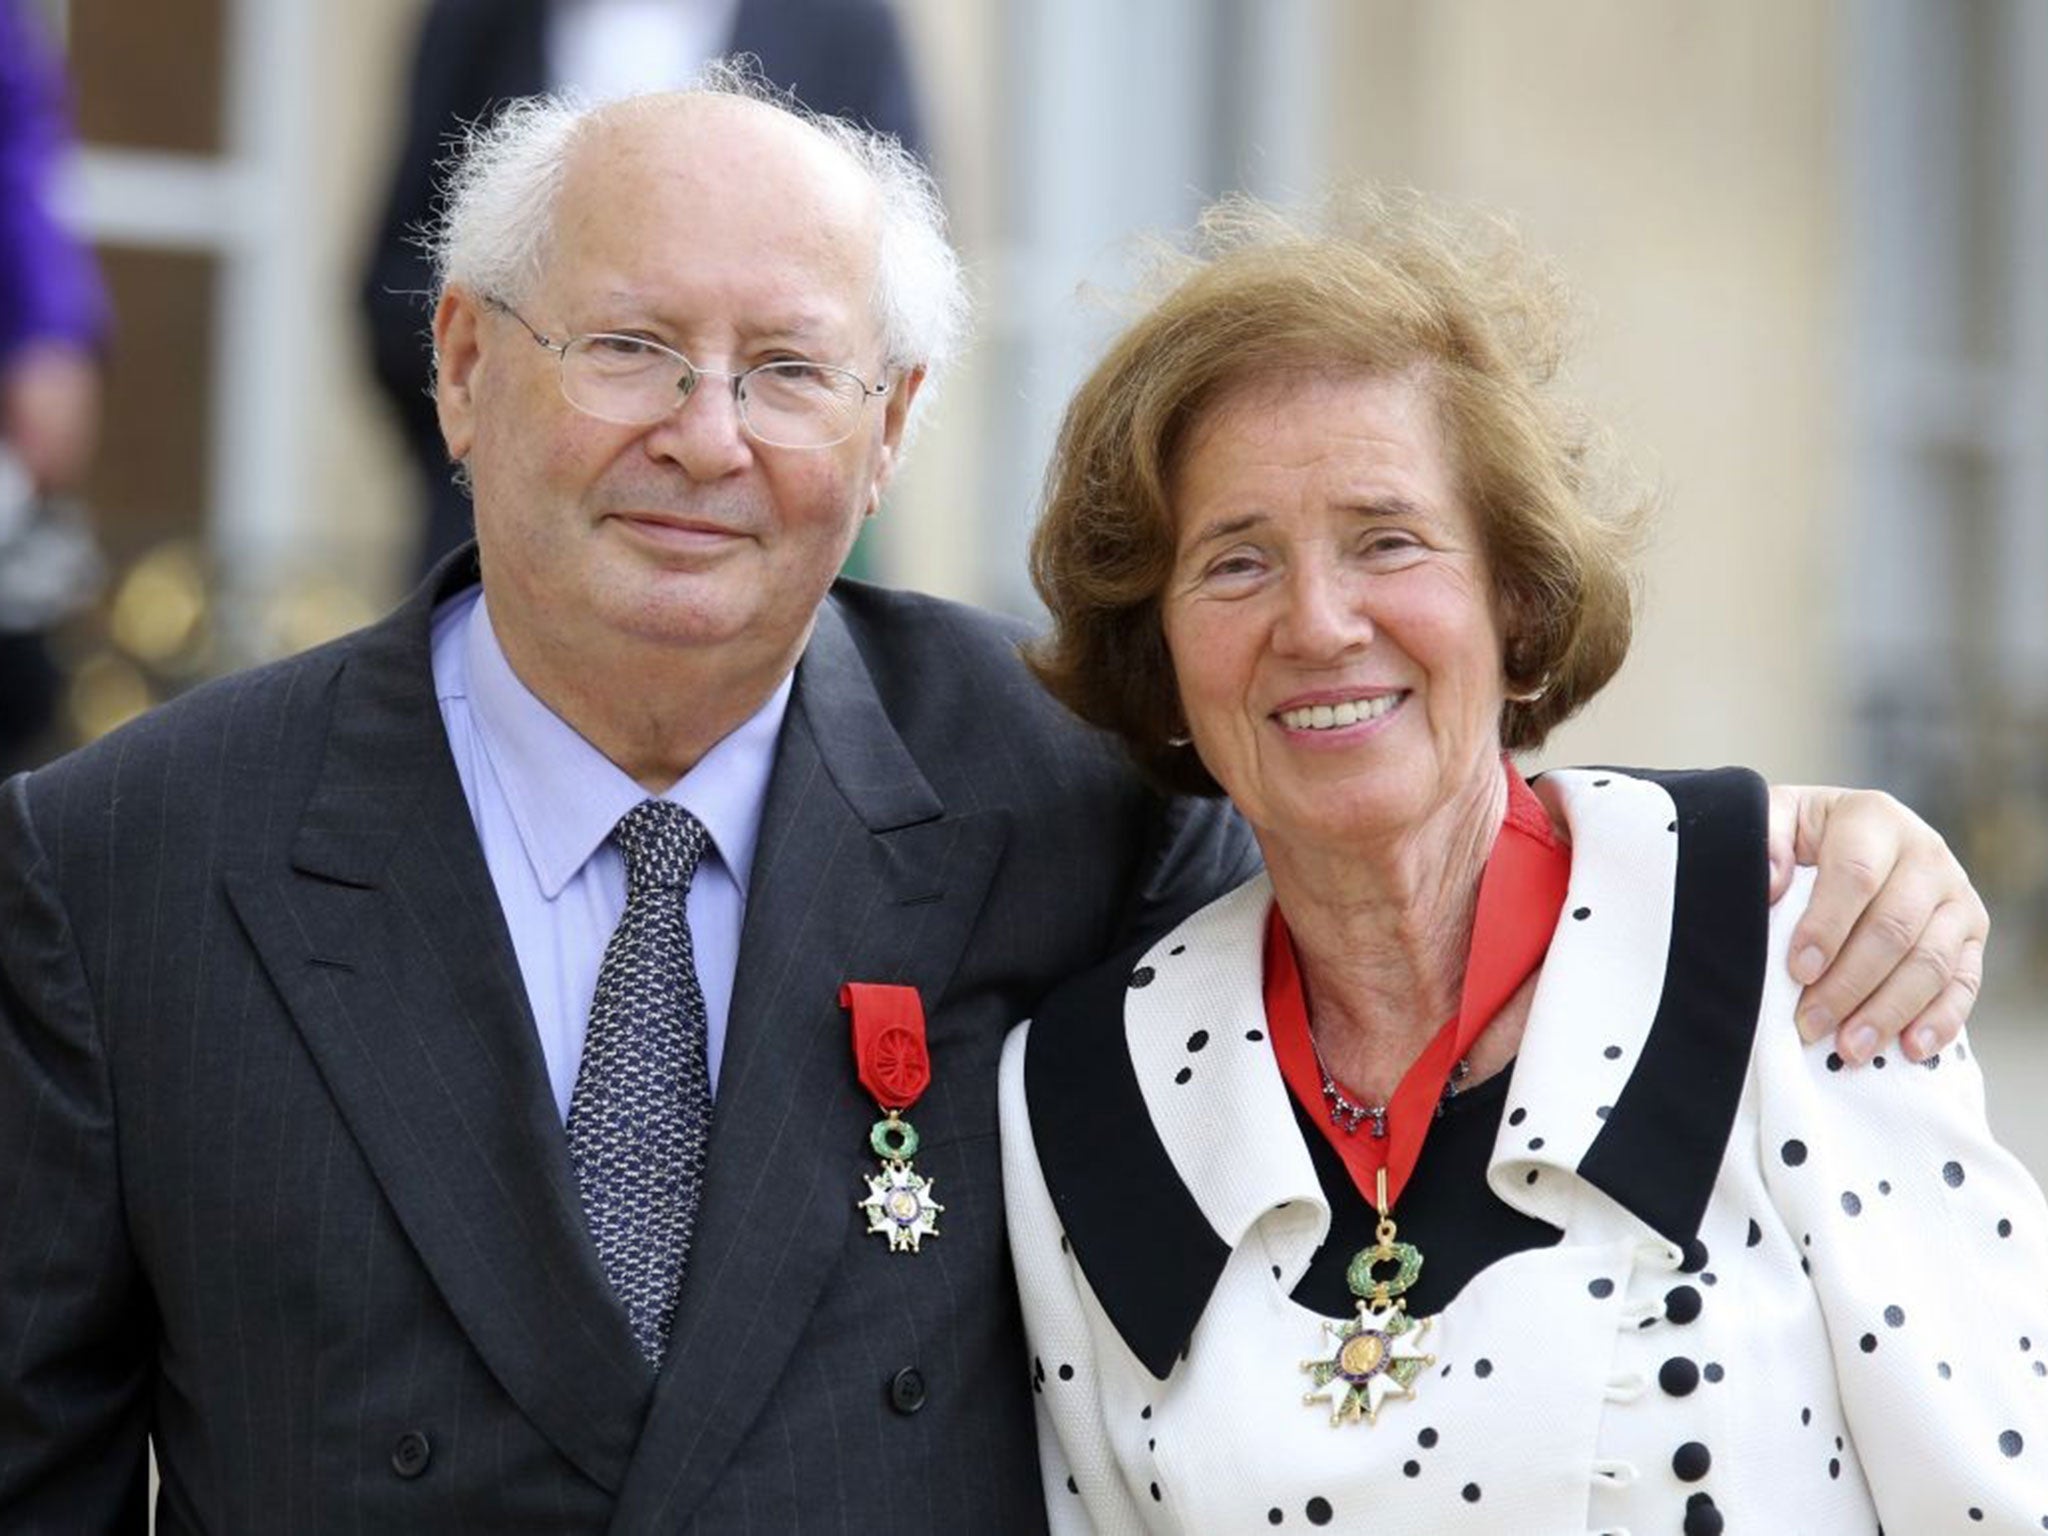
[49, 287]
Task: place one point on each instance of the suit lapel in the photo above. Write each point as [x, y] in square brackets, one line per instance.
[389, 949]
[860, 876]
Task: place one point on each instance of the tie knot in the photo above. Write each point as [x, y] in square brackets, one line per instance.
[662, 843]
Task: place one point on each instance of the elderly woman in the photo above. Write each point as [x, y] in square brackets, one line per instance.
[1464, 1172]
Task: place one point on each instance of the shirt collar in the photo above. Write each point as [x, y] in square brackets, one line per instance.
[565, 796]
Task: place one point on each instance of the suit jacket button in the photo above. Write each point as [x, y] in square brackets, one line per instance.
[906, 1390]
[409, 1457]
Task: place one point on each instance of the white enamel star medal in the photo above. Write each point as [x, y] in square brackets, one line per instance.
[899, 1203]
[1378, 1353]
[889, 1053]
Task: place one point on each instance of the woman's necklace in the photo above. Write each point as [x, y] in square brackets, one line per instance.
[1347, 1113]
[1377, 1353]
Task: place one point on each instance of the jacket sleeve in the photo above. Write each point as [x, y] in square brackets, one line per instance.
[74, 1347]
[1084, 1490]
[1928, 1253]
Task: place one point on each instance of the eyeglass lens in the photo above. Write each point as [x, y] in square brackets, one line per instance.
[633, 383]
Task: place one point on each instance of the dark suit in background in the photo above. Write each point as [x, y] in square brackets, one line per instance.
[256, 980]
[844, 58]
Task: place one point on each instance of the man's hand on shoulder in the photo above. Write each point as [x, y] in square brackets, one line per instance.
[1891, 947]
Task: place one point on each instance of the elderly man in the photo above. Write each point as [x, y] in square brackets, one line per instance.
[362, 1017]
[847, 58]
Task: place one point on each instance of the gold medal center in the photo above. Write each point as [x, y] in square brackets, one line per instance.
[1361, 1354]
[903, 1205]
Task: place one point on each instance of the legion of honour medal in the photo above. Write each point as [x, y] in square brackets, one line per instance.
[889, 1052]
[1378, 1353]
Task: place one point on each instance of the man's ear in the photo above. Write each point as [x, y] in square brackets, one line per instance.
[458, 347]
[895, 415]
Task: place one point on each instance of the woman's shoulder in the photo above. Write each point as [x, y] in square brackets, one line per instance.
[1077, 1014]
[1727, 806]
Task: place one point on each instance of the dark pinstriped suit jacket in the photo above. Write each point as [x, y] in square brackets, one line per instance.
[282, 1184]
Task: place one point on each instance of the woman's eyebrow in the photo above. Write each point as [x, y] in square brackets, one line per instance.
[1225, 528]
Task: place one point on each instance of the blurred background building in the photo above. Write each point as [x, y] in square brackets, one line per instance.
[1810, 235]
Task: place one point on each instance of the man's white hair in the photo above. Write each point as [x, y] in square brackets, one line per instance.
[500, 190]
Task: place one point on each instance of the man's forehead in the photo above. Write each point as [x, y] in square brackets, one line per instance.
[723, 147]
[685, 208]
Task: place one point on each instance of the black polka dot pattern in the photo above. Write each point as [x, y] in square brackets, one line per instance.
[1682, 1431]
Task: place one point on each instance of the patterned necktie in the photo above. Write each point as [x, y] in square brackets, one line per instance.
[640, 1116]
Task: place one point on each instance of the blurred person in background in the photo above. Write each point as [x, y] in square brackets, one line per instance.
[1483, 1096]
[841, 58]
[426, 1098]
[53, 315]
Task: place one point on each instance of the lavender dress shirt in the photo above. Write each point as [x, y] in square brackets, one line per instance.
[545, 801]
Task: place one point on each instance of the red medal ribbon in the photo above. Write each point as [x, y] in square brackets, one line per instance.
[888, 1042]
[1521, 894]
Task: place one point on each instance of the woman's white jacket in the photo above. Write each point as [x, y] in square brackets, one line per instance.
[1788, 1297]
